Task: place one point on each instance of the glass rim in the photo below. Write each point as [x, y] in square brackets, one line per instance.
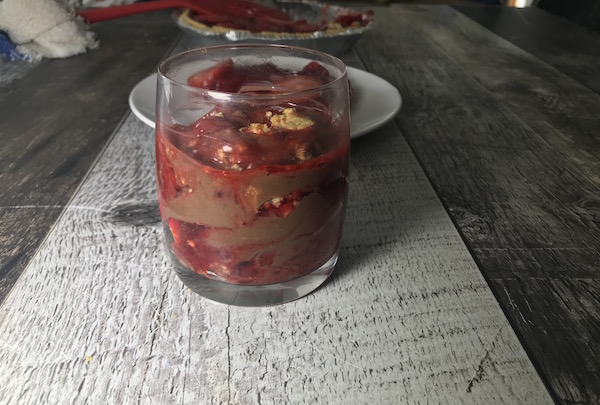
[332, 60]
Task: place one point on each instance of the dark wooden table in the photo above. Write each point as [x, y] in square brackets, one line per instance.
[57, 116]
[501, 110]
[519, 172]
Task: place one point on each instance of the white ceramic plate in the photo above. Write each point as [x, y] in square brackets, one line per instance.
[375, 101]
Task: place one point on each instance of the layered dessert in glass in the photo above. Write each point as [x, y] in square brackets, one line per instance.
[252, 152]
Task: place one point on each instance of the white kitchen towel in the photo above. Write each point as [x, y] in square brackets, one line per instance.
[44, 29]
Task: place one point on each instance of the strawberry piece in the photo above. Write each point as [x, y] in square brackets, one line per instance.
[283, 206]
[350, 17]
[299, 82]
[315, 69]
[166, 175]
[221, 77]
[175, 227]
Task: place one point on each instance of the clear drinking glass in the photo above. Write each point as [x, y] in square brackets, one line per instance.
[252, 153]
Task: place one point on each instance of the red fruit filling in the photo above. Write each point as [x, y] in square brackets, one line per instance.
[249, 16]
[255, 194]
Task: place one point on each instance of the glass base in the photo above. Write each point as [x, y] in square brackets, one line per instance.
[255, 295]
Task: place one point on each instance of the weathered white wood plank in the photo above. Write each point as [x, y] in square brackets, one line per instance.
[99, 318]
[512, 147]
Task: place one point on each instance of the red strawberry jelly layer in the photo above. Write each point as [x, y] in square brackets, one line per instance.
[254, 195]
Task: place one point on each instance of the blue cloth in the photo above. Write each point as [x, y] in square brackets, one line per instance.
[9, 49]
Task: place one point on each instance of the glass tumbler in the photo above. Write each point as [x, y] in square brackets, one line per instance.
[252, 154]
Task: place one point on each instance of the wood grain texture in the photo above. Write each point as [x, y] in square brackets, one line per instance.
[56, 117]
[99, 317]
[586, 12]
[511, 146]
[571, 49]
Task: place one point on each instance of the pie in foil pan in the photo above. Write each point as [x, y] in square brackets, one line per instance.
[332, 36]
